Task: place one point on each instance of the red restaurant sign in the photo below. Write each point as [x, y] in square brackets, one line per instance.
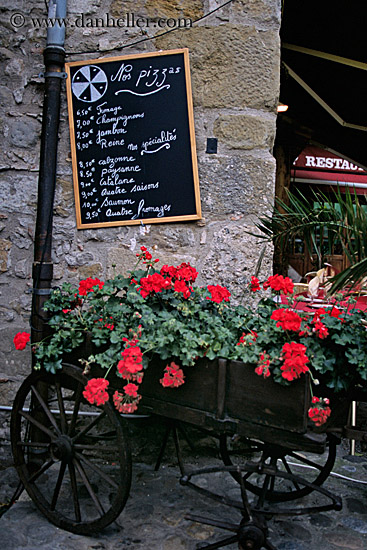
[319, 166]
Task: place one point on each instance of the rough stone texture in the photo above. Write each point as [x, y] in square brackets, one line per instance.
[339, 540]
[13, 368]
[175, 9]
[244, 131]
[5, 246]
[234, 57]
[241, 184]
[24, 133]
[263, 14]
[246, 69]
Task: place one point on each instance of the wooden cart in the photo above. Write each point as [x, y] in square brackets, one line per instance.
[74, 459]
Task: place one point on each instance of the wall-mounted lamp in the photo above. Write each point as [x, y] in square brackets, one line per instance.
[282, 108]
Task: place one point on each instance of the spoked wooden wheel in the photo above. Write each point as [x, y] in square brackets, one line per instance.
[275, 488]
[72, 457]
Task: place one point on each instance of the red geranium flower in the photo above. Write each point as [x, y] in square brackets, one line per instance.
[95, 391]
[131, 362]
[181, 286]
[264, 364]
[21, 339]
[125, 403]
[109, 325]
[335, 312]
[288, 286]
[218, 293]
[320, 412]
[287, 319]
[319, 313]
[280, 284]
[183, 272]
[295, 361]
[320, 329]
[87, 285]
[255, 284]
[169, 270]
[131, 389]
[153, 283]
[248, 339]
[173, 376]
[186, 273]
[125, 408]
[145, 255]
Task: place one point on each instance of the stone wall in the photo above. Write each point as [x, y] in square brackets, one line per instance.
[234, 56]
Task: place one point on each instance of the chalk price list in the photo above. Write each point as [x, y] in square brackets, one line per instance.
[84, 129]
[110, 186]
[84, 134]
[88, 190]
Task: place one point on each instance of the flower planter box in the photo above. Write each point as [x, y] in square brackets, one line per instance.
[231, 392]
[226, 397]
[229, 397]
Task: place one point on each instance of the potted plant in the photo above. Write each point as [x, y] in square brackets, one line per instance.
[158, 312]
[322, 221]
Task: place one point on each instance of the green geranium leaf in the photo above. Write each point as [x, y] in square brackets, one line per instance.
[53, 366]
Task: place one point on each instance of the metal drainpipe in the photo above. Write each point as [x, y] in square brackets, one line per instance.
[54, 56]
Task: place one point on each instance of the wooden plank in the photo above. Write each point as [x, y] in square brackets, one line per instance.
[236, 393]
[198, 392]
[265, 402]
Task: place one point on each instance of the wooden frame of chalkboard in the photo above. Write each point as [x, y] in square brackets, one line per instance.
[132, 140]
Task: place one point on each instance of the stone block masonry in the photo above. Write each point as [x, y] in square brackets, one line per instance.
[235, 59]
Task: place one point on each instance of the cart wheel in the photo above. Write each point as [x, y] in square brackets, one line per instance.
[275, 488]
[72, 457]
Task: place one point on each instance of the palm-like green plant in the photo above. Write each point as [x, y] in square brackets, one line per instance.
[339, 219]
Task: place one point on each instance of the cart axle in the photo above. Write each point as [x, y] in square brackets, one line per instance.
[62, 449]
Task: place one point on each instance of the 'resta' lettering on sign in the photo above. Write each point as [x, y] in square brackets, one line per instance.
[330, 162]
[132, 140]
[313, 157]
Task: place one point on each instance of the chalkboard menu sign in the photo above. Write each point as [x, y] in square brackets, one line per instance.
[132, 140]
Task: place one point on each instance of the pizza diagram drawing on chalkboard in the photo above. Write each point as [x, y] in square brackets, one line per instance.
[89, 83]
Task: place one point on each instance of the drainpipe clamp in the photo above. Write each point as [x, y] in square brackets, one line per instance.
[54, 74]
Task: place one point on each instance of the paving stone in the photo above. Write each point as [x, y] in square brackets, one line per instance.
[320, 520]
[355, 505]
[355, 458]
[341, 540]
[200, 532]
[349, 468]
[295, 530]
[11, 540]
[43, 533]
[289, 545]
[355, 523]
[175, 543]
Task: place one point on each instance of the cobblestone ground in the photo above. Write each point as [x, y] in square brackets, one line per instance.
[154, 517]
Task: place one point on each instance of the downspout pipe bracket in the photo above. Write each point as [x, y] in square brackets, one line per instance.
[54, 74]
